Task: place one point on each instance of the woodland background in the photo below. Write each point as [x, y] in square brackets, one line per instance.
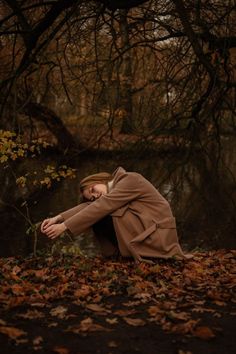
[86, 80]
[87, 86]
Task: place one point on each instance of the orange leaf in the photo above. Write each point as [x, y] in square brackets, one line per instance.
[12, 332]
[87, 325]
[124, 312]
[154, 310]
[60, 350]
[203, 332]
[17, 289]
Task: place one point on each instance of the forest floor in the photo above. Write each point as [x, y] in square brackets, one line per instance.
[79, 305]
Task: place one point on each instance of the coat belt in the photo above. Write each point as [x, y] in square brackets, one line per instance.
[167, 223]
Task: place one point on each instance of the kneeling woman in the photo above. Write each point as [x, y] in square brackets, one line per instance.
[126, 212]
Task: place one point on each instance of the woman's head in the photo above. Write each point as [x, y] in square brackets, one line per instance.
[93, 186]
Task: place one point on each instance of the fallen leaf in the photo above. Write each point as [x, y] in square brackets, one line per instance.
[112, 344]
[53, 324]
[58, 311]
[220, 303]
[97, 308]
[83, 292]
[16, 270]
[17, 289]
[112, 320]
[87, 325]
[124, 312]
[31, 314]
[154, 310]
[180, 328]
[134, 321]
[37, 340]
[178, 315]
[12, 332]
[131, 303]
[203, 332]
[60, 350]
[38, 304]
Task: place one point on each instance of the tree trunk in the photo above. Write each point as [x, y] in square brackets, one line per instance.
[54, 124]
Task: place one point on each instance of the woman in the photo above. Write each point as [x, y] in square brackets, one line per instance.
[126, 212]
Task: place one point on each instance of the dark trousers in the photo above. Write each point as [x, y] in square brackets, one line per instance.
[105, 228]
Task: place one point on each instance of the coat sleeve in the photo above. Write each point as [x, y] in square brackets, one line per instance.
[70, 212]
[126, 190]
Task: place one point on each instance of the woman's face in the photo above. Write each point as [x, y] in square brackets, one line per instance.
[95, 191]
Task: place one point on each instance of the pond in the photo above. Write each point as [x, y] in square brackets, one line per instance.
[201, 190]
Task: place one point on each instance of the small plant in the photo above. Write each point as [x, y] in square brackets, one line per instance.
[14, 148]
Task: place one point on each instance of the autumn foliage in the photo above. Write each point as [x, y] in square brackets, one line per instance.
[87, 297]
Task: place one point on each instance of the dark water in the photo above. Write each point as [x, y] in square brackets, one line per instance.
[201, 190]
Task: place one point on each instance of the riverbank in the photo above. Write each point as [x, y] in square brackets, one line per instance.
[82, 305]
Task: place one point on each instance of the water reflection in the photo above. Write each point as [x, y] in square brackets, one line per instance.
[201, 190]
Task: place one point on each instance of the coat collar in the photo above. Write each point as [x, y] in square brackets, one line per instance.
[118, 174]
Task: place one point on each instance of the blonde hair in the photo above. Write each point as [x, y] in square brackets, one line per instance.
[101, 177]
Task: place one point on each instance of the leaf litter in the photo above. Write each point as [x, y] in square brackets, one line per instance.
[81, 294]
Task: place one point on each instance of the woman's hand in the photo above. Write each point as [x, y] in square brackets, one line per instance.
[49, 222]
[53, 231]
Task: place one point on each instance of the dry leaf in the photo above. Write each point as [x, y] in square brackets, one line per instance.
[53, 324]
[112, 320]
[87, 325]
[38, 304]
[83, 292]
[16, 270]
[112, 344]
[17, 289]
[37, 340]
[134, 321]
[154, 310]
[180, 328]
[97, 308]
[60, 350]
[31, 314]
[132, 303]
[124, 312]
[203, 332]
[58, 311]
[12, 332]
[179, 315]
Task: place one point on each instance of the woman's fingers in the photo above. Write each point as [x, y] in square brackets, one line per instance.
[53, 231]
[45, 224]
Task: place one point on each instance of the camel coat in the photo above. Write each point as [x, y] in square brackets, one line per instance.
[142, 218]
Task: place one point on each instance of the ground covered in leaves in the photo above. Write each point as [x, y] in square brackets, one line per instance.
[80, 305]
